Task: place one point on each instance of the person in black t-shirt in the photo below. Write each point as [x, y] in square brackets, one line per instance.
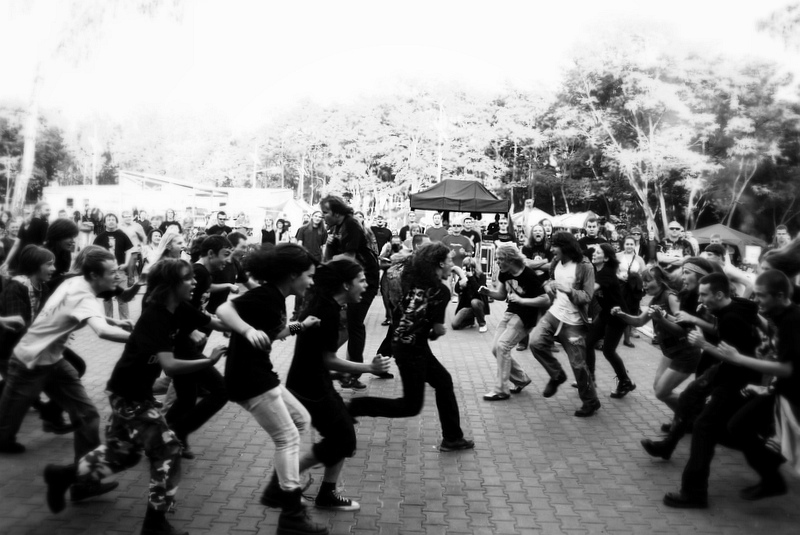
[337, 284]
[607, 327]
[347, 236]
[525, 295]
[186, 415]
[423, 311]
[120, 245]
[756, 419]
[220, 227]
[589, 243]
[137, 426]
[257, 318]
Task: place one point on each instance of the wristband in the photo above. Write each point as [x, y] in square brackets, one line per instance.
[295, 328]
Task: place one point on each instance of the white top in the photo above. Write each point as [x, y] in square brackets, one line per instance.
[66, 311]
[564, 309]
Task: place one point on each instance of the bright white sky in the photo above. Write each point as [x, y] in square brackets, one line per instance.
[245, 60]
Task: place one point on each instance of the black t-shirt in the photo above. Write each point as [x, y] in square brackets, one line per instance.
[34, 232]
[590, 242]
[154, 333]
[526, 285]
[787, 345]
[267, 236]
[231, 273]
[421, 309]
[117, 242]
[201, 292]
[248, 371]
[349, 237]
[540, 249]
[474, 236]
[308, 375]
[164, 225]
[312, 239]
[219, 229]
[382, 235]
[503, 237]
[609, 295]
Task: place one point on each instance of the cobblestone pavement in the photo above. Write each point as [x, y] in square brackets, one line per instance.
[535, 467]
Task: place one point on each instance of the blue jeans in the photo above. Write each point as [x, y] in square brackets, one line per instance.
[62, 384]
[573, 338]
[467, 315]
[285, 419]
[509, 332]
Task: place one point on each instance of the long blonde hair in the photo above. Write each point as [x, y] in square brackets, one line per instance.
[161, 249]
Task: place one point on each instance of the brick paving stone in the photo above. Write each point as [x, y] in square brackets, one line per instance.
[535, 468]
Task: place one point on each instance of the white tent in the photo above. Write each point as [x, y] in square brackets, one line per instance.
[573, 220]
[529, 217]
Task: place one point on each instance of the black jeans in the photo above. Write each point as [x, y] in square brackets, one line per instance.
[609, 329]
[417, 366]
[357, 332]
[186, 415]
[710, 427]
[749, 429]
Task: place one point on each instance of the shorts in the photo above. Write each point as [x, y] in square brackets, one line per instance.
[685, 361]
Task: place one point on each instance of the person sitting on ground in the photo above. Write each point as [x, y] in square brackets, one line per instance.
[472, 305]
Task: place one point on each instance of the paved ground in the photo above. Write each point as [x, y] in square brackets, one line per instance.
[535, 467]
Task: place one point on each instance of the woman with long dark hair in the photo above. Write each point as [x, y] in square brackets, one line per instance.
[60, 240]
[257, 318]
[336, 284]
[605, 326]
[423, 314]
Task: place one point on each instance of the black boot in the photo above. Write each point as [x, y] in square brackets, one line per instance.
[660, 448]
[294, 518]
[58, 479]
[155, 523]
[273, 495]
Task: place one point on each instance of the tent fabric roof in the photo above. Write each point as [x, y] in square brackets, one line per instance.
[459, 196]
[728, 235]
[573, 219]
[530, 217]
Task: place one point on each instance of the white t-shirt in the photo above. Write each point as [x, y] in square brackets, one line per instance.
[564, 309]
[65, 311]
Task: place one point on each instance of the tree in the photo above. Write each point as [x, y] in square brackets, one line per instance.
[78, 27]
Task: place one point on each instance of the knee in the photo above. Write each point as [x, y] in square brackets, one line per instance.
[477, 305]
[289, 438]
[662, 392]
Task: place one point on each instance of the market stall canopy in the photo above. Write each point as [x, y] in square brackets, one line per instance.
[528, 218]
[459, 196]
[573, 220]
[729, 237]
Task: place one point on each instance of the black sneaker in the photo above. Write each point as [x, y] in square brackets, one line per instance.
[680, 500]
[552, 386]
[333, 500]
[58, 479]
[353, 384]
[623, 388]
[385, 375]
[517, 388]
[456, 445]
[588, 409]
[82, 491]
[57, 426]
[765, 489]
[660, 448]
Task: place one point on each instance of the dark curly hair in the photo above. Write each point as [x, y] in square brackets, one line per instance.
[164, 277]
[421, 271]
[275, 264]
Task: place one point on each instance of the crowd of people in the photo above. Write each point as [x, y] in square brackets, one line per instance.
[725, 332]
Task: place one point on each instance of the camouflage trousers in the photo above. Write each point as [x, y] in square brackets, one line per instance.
[134, 428]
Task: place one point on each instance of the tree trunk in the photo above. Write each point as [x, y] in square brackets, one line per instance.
[29, 147]
[737, 196]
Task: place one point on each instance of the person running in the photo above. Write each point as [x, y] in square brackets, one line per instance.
[606, 327]
[679, 358]
[137, 426]
[186, 415]
[423, 314]
[525, 295]
[337, 284]
[571, 287]
[756, 419]
[256, 319]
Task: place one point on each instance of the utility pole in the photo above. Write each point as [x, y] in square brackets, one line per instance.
[441, 143]
[255, 164]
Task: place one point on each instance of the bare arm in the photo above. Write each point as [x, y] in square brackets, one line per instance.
[105, 331]
[173, 366]
[377, 366]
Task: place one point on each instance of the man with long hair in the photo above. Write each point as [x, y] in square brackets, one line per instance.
[571, 287]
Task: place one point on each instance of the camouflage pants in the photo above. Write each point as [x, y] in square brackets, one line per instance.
[135, 428]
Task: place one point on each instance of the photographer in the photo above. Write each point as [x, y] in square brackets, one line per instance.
[472, 305]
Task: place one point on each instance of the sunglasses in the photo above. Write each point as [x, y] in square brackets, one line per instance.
[456, 226]
[637, 233]
[674, 228]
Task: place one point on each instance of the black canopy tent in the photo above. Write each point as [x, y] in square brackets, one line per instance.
[451, 195]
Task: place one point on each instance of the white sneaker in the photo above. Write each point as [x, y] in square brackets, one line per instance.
[483, 329]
